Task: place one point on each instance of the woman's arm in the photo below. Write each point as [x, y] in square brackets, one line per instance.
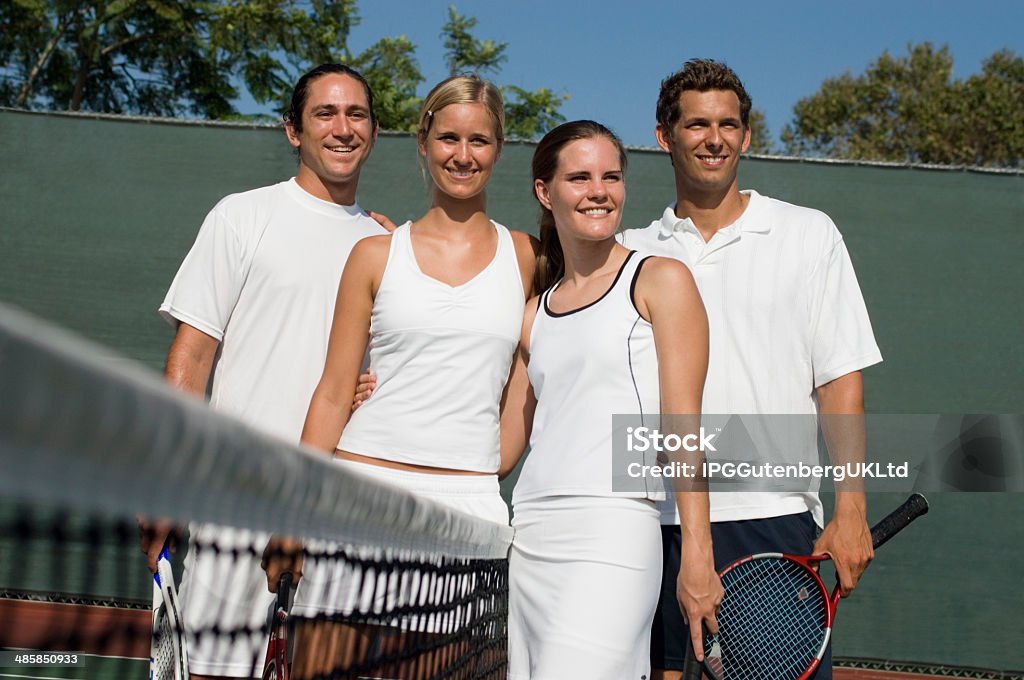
[330, 406]
[518, 401]
[667, 296]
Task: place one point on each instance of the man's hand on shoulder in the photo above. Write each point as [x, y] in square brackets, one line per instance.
[382, 220]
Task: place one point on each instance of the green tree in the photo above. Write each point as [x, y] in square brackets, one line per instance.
[268, 44]
[910, 109]
[466, 53]
[390, 68]
[192, 57]
[992, 105]
[528, 113]
[760, 136]
[164, 57]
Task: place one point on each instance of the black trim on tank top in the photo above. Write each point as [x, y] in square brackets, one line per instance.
[618, 275]
[632, 285]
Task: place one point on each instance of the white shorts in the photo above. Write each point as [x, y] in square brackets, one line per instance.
[584, 580]
[227, 591]
[333, 586]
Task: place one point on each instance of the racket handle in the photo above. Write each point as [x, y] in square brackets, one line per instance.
[283, 588]
[692, 669]
[898, 519]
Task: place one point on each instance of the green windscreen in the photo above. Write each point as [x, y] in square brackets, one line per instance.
[97, 214]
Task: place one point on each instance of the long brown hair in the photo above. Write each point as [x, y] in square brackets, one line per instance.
[550, 260]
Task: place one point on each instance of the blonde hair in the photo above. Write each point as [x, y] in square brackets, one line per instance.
[469, 89]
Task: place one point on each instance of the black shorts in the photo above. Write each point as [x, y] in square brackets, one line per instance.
[732, 540]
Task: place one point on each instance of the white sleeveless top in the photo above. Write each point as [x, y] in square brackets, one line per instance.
[586, 365]
[442, 356]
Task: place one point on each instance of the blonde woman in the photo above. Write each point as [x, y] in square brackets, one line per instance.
[440, 304]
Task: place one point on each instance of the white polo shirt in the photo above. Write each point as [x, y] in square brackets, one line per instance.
[786, 315]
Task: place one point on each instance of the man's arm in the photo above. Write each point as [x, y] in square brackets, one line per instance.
[847, 537]
[190, 360]
[189, 363]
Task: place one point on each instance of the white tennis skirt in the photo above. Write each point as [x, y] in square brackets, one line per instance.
[584, 579]
[332, 586]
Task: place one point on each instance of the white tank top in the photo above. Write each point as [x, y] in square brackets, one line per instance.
[586, 365]
[441, 355]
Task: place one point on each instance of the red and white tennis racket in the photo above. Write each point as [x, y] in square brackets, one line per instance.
[776, 618]
[168, 658]
[276, 665]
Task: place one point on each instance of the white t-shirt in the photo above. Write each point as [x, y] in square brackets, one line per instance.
[786, 315]
[262, 278]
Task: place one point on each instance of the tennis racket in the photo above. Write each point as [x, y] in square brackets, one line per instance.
[776, 618]
[168, 659]
[276, 665]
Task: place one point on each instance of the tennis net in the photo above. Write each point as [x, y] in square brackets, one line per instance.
[88, 442]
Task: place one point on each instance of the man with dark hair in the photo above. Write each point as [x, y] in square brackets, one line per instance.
[788, 328]
[300, 94]
[255, 296]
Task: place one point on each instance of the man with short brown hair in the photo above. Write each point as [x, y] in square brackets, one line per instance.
[789, 332]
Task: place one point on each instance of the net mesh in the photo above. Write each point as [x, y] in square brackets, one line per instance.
[404, 588]
[772, 621]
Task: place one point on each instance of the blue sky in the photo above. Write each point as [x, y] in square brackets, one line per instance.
[611, 56]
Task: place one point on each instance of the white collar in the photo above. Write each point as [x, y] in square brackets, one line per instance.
[753, 219]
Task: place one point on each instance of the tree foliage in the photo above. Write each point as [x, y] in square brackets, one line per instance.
[466, 53]
[910, 109]
[191, 57]
[760, 137]
[528, 113]
[993, 101]
[163, 57]
[390, 68]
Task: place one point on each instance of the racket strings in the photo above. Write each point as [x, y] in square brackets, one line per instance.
[772, 623]
[162, 650]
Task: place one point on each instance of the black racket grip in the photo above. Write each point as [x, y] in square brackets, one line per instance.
[898, 519]
[283, 588]
[692, 669]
